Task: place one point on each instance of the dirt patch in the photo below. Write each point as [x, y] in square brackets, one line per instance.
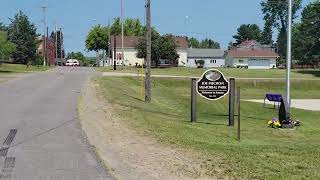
[128, 154]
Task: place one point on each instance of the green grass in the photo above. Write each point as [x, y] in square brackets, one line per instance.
[263, 153]
[19, 68]
[230, 72]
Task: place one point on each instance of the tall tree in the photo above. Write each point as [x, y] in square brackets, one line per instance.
[266, 36]
[276, 13]
[116, 27]
[22, 33]
[132, 27]
[209, 44]
[248, 32]
[97, 38]
[306, 36]
[193, 42]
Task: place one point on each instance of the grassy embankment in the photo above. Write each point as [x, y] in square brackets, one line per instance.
[9, 71]
[263, 153]
[229, 72]
[20, 68]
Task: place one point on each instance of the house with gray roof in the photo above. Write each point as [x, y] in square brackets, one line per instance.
[211, 57]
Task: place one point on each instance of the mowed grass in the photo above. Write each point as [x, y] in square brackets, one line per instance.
[229, 72]
[263, 153]
[20, 68]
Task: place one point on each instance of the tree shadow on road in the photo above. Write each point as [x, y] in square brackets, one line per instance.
[5, 72]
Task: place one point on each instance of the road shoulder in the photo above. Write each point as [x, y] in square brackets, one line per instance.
[126, 153]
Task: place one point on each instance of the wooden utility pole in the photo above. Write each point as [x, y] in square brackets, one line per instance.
[44, 35]
[148, 57]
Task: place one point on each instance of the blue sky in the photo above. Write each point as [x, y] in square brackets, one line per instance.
[217, 19]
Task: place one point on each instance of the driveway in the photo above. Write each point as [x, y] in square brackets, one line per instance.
[40, 135]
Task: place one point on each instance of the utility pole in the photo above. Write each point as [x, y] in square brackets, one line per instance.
[44, 35]
[148, 56]
[56, 43]
[60, 38]
[109, 43]
[289, 51]
[122, 33]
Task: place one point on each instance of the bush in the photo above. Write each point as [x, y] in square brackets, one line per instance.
[37, 61]
[200, 63]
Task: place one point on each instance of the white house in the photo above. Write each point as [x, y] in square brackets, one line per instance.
[252, 55]
[211, 57]
[129, 56]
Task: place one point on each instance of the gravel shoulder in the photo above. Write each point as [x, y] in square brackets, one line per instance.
[128, 154]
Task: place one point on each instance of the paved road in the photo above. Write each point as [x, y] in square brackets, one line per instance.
[38, 122]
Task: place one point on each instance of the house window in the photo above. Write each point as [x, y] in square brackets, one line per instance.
[240, 60]
[213, 61]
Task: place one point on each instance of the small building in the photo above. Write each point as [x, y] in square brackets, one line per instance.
[252, 55]
[129, 56]
[211, 57]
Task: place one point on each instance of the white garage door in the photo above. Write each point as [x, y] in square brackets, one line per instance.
[259, 64]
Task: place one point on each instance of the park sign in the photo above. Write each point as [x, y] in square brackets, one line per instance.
[212, 85]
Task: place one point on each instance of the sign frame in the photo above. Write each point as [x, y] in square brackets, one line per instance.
[203, 75]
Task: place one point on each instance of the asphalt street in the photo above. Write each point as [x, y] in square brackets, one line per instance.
[40, 135]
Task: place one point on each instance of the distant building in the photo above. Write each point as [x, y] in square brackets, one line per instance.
[211, 57]
[252, 55]
[130, 53]
[50, 50]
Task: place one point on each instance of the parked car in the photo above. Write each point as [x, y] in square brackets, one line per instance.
[72, 62]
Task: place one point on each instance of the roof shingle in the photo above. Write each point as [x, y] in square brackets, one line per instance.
[252, 53]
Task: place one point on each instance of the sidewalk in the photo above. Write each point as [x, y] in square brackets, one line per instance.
[306, 104]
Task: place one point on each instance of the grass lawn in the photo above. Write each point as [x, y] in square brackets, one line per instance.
[19, 68]
[230, 72]
[264, 153]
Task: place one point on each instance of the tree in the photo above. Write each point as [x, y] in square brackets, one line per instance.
[248, 32]
[193, 42]
[6, 48]
[97, 38]
[306, 36]
[22, 33]
[2, 27]
[116, 27]
[163, 47]
[205, 44]
[209, 44]
[59, 36]
[132, 27]
[276, 13]
[266, 36]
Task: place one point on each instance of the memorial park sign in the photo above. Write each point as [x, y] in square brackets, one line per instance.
[212, 85]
